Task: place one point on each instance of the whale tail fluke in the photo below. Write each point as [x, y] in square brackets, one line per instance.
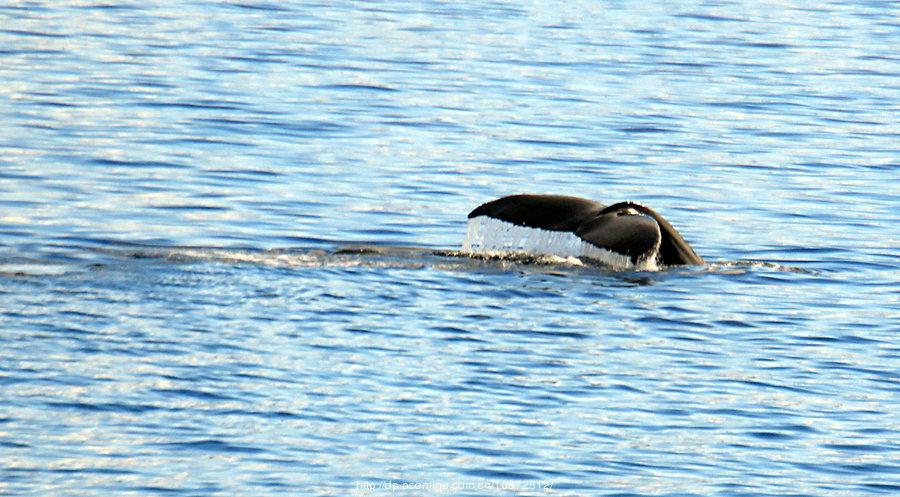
[623, 231]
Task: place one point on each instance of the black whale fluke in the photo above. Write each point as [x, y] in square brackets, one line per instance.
[626, 228]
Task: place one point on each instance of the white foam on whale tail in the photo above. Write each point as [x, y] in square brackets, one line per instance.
[489, 236]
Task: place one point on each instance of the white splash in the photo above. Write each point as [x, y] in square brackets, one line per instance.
[273, 258]
[488, 236]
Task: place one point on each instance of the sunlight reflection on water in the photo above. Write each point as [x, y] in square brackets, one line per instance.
[181, 313]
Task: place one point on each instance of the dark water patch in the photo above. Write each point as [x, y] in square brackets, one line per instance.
[485, 451]
[686, 65]
[103, 407]
[768, 45]
[738, 104]
[51, 104]
[861, 448]
[777, 134]
[818, 339]
[198, 105]
[423, 124]
[645, 129]
[261, 6]
[81, 314]
[161, 490]
[308, 128]
[767, 385]
[13, 445]
[544, 125]
[849, 469]
[499, 474]
[732, 323]
[35, 51]
[771, 435]
[657, 320]
[886, 488]
[708, 17]
[110, 7]
[17, 175]
[360, 88]
[254, 59]
[201, 141]
[551, 143]
[627, 388]
[793, 430]
[210, 445]
[137, 164]
[32, 33]
[188, 207]
[838, 365]
[276, 415]
[193, 394]
[88, 471]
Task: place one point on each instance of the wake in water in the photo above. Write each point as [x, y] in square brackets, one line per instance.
[346, 255]
[367, 255]
[488, 245]
[475, 254]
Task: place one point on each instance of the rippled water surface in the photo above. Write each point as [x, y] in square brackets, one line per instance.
[180, 313]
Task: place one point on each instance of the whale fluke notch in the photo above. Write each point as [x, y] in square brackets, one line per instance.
[625, 228]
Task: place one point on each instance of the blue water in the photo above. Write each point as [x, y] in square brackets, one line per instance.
[176, 181]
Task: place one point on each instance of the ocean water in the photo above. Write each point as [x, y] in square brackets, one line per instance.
[180, 313]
